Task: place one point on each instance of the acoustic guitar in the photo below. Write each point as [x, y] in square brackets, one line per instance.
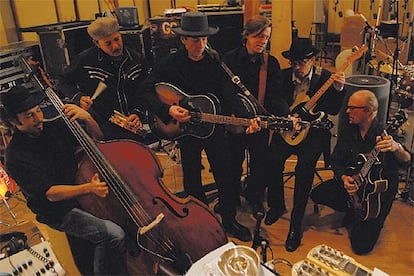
[203, 111]
[304, 107]
[367, 174]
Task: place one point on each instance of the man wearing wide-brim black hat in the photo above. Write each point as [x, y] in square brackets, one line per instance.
[195, 72]
[300, 82]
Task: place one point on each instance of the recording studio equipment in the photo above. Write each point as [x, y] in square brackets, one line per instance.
[163, 40]
[61, 43]
[36, 260]
[10, 72]
[15, 242]
[127, 16]
[257, 239]
[231, 26]
[138, 38]
[325, 260]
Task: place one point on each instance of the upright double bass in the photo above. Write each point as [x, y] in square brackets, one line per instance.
[165, 232]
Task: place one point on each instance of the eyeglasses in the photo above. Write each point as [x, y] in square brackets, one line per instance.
[298, 62]
[352, 107]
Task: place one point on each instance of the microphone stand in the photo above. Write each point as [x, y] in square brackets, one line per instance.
[258, 240]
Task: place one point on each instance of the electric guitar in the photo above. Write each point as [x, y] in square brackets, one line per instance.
[203, 111]
[304, 105]
[367, 174]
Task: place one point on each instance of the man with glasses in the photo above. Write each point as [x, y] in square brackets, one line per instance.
[361, 135]
[300, 81]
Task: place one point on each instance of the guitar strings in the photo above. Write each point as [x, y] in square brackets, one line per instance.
[114, 181]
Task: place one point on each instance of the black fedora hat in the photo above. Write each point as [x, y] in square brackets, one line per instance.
[19, 99]
[195, 24]
[301, 48]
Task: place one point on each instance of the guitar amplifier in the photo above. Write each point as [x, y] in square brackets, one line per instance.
[139, 39]
[163, 40]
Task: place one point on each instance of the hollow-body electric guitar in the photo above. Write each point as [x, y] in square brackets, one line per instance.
[203, 111]
[367, 175]
[303, 107]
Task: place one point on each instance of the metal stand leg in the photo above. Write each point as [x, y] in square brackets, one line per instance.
[12, 214]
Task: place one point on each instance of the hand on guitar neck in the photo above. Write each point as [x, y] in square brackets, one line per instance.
[182, 115]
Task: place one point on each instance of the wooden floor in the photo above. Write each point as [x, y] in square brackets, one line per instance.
[394, 253]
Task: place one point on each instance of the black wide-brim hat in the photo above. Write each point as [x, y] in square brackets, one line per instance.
[301, 48]
[195, 24]
[19, 99]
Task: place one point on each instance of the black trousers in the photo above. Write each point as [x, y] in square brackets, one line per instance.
[308, 153]
[363, 234]
[257, 146]
[217, 149]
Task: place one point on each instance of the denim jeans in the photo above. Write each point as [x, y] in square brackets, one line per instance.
[108, 238]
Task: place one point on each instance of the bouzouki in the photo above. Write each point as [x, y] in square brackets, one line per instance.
[303, 107]
[203, 111]
[366, 202]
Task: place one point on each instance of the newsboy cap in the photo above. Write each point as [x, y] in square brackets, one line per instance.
[103, 27]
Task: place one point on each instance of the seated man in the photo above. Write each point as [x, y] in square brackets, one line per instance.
[107, 77]
[41, 159]
[362, 135]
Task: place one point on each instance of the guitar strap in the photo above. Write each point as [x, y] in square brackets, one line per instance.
[236, 80]
[263, 79]
[262, 88]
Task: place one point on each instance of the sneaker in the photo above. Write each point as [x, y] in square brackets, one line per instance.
[237, 230]
[273, 215]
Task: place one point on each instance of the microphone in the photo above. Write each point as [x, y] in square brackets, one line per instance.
[366, 21]
[257, 239]
[264, 245]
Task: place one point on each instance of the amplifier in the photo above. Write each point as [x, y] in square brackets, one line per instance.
[36, 260]
[163, 40]
[10, 72]
[60, 44]
[139, 39]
